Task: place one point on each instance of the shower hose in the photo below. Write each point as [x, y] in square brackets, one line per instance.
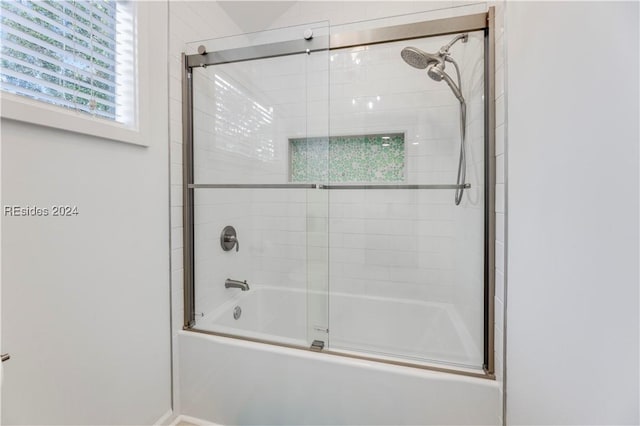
[462, 161]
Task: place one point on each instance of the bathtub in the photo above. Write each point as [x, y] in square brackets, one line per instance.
[267, 313]
[231, 381]
[415, 331]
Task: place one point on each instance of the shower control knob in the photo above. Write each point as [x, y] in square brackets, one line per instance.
[229, 239]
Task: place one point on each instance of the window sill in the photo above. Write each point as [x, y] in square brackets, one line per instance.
[17, 108]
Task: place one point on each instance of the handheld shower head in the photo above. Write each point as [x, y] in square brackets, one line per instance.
[418, 58]
[436, 72]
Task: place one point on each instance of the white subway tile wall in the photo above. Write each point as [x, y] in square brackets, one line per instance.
[501, 181]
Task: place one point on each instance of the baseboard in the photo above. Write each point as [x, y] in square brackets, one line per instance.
[167, 419]
[193, 420]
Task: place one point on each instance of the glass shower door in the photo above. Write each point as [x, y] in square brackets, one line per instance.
[406, 262]
[327, 191]
[259, 213]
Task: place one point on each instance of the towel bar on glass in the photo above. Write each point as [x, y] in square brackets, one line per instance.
[321, 186]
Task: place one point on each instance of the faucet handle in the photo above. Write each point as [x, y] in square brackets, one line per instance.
[229, 238]
[233, 239]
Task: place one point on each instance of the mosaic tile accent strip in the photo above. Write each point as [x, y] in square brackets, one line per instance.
[352, 159]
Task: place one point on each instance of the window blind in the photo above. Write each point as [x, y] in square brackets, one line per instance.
[76, 54]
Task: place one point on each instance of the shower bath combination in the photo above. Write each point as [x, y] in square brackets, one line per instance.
[375, 273]
[435, 65]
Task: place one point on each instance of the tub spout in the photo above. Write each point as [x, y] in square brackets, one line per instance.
[242, 285]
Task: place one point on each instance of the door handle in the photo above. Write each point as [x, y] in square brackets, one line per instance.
[5, 357]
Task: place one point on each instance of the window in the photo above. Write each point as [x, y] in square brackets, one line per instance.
[137, 79]
[74, 54]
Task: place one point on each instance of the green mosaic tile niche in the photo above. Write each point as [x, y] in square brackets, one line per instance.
[361, 158]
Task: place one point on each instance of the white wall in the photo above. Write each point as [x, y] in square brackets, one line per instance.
[86, 298]
[572, 334]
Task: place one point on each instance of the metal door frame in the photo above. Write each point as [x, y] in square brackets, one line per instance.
[476, 22]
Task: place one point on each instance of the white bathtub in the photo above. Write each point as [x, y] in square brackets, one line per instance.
[268, 313]
[415, 331]
[230, 381]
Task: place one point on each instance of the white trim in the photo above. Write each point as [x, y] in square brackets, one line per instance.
[194, 420]
[166, 419]
[19, 108]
